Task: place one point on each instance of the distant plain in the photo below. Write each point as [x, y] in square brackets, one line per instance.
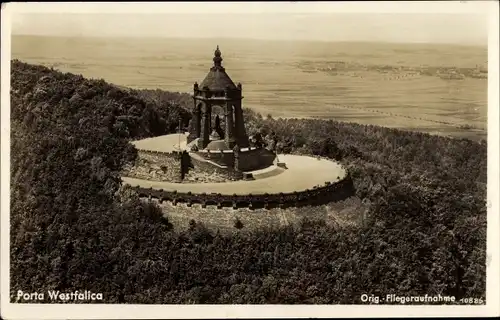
[440, 89]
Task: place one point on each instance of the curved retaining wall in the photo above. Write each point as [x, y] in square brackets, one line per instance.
[170, 162]
[178, 167]
[318, 195]
[206, 166]
[218, 163]
[250, 158]
[160, 153]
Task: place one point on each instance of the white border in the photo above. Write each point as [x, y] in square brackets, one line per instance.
[18, 311]
[206, 7]
[493, 220]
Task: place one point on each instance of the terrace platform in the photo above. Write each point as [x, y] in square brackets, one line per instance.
[166, 143]
[303, 173]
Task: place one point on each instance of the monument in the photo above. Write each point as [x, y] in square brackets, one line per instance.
[217, 89]
[215, 163]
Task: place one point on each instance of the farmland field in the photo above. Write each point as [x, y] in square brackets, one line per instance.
[432, 88]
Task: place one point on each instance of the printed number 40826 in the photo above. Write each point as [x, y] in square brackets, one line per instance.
[472, 300]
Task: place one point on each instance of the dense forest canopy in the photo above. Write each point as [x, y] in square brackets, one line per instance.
[73, 227]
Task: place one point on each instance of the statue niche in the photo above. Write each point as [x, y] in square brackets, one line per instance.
[217, 132]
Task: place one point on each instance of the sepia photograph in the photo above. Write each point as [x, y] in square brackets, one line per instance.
[251, 159]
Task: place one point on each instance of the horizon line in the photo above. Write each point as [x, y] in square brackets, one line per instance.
[469, 44]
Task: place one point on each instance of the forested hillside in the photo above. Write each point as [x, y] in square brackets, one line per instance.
[74, 228]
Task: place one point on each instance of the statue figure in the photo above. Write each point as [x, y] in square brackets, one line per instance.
[217, 127]
[214, 135]
[217, 121]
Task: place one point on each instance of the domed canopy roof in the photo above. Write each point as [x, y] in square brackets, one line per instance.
[217, 78]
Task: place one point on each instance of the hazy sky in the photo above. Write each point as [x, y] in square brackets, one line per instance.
[461, 28]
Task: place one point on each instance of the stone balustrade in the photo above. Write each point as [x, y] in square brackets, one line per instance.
[330, 191]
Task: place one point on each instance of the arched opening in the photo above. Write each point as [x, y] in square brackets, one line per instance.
[218, 122]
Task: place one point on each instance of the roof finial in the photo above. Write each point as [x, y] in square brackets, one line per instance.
[217, 57]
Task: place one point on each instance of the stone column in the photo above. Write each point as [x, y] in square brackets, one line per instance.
[197, 124]
[208, 105]
[194, 127]
[229, 125]
[236, 124]
[241, 135]
[205, 127]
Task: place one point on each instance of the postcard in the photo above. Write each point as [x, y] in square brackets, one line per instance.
[248, 160]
